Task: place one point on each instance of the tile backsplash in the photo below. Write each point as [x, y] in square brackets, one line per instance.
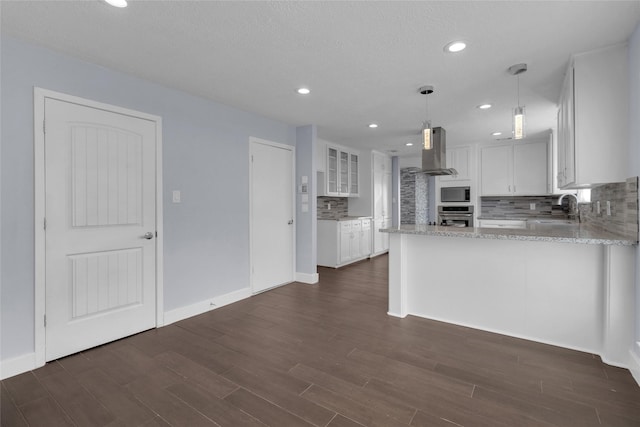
[333, 207]
[414, 205]
[623, 201]
[520, 206]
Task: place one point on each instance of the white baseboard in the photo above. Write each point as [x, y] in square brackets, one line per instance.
[17, 365]
[396, 315]
[307, 278]
[182, 313]
[27, 362]
[634, 362]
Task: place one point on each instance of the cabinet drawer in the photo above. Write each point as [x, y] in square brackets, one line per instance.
[502, 223]
[345, 226]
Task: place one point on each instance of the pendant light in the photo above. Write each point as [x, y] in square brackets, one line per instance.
[518, 112]
[427, 143]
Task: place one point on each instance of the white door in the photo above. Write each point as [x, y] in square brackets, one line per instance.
[100, 270]
[272, 228]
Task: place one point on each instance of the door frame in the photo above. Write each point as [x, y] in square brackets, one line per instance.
[254, 140]
[39, 96]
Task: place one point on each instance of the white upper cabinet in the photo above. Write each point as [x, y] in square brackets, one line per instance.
[531, 168]
[593, 128]
[381, 185]
[354, 188]
[496, 170]
[515, 169]
[458, 158]
[340, 177]
[332, 174]
[343, 173]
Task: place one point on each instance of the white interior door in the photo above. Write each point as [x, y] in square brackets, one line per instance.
[272, 228]
[100, 271]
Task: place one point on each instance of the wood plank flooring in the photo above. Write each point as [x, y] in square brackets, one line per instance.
[322, 355]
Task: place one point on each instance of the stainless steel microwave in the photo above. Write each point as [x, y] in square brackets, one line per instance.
[455, 194]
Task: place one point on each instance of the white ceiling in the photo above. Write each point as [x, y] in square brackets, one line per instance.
[363, 60]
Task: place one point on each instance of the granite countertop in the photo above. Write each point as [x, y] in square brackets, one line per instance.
[565, 233]
[527, 218]
[344, 218]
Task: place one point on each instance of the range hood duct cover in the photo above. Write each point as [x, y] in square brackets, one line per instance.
[434, 161]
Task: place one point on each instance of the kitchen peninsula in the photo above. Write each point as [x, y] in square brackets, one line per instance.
[570, 286]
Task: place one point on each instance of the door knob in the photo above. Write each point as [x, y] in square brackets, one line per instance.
[148, 235]
[290, 222]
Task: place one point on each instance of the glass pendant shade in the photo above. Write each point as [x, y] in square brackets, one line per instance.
[518, 112]
[427, 143]
[518, 123]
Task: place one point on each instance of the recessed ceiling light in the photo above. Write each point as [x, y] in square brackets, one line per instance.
[373, 125]
[484, 106]
[496, 134]
[117, 3]
[303, 91]
[455, 46]
[409, 144]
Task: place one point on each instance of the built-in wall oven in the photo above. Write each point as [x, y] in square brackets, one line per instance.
[457, 216]
[455, 194]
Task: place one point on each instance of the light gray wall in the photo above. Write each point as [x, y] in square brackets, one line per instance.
[634, 144]
[205, 156]
[306, 235]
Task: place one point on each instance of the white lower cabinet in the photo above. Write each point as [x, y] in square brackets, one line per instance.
[344, 232]
[343, 242]
[380, 240]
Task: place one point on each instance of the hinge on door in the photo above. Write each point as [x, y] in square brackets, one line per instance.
[252, 158]
[45, 223]
[44, 127]
[45, 320]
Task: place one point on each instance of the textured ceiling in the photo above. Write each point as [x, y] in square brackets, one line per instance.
[363, 60]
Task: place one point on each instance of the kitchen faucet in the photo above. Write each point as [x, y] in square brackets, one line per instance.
[577, 209]
[567, 194]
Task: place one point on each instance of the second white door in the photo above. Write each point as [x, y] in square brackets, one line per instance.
[272, 215]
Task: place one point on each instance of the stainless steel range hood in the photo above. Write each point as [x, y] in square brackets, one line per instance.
[434, 161]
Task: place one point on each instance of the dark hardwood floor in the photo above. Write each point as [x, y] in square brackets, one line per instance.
[322, 355]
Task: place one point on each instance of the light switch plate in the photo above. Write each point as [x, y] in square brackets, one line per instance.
[176, 197]
[608, 208]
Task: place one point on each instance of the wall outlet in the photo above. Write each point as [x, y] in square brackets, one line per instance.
[598, 207]
[532, 206]
[608, 208]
